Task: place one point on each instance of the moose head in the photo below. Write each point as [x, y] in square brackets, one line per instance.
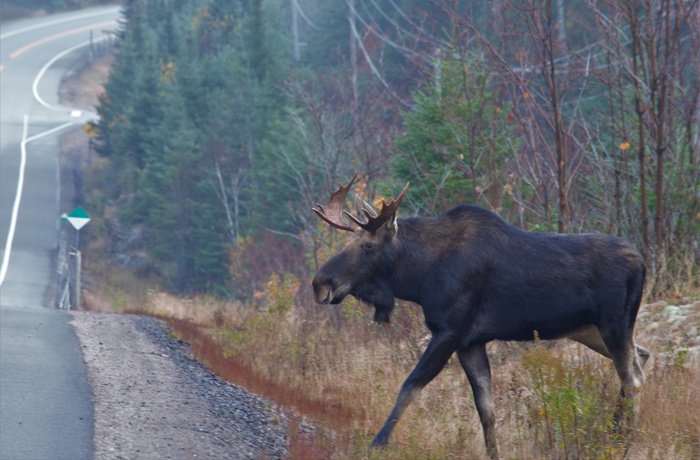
[357, 269]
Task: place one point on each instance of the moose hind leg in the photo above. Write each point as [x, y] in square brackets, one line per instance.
[626, 362]
[628, 359]
[429, 366]
[475, 362]
[590, 336]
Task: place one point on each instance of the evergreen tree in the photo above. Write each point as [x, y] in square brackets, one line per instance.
[177, 206]
[454, 148]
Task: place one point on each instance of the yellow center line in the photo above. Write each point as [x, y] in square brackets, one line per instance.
[60, 35]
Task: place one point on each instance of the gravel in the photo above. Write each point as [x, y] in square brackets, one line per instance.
[153, 400]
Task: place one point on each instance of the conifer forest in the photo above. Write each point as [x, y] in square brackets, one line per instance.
[224, 122]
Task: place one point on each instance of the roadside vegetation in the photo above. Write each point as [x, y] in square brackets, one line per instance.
[218, 132]
[336, 369]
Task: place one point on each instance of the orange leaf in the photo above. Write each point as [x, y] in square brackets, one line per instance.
[625, 145]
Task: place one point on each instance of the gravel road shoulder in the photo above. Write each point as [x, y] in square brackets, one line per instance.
[152, 399]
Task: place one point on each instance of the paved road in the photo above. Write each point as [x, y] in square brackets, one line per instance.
[45, 399]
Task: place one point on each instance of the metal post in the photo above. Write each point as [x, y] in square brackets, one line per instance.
[76, 273]
[92, 48]
[78, 218]
[76, 296]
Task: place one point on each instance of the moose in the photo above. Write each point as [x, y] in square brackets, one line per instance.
[478, 279]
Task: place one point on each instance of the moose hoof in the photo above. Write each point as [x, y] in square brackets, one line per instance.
[379, 441]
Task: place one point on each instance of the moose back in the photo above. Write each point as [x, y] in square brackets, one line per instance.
[478, 279]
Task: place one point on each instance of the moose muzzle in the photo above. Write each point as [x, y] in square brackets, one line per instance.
[325, 291]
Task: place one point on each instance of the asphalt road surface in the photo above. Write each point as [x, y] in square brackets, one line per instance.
[45, 399]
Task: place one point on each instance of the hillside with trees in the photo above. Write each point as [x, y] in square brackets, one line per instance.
[224, 122]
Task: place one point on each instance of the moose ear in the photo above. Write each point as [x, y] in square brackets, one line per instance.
[392, 225]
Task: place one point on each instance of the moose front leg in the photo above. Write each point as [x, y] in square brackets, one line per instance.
[475, 362]
[429, 366]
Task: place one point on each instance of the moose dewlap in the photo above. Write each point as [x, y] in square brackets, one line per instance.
[478, 279]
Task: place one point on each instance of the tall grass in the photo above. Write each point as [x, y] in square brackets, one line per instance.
[338, 370]
[569, 410]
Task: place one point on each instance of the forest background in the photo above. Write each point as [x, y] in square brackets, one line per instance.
[225, 122]
[222, 123]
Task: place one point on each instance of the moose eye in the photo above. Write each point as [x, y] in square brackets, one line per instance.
[368, 246]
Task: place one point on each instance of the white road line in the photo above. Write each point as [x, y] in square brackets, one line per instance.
[47, 132]
[46, 67]
[15, 206]
[51, 62]
[20, 187]
[26, 140]
[57, 21]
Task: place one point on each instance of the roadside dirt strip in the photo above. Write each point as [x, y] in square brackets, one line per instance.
[154, 400]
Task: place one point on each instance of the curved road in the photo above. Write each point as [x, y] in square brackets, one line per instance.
[45, 399]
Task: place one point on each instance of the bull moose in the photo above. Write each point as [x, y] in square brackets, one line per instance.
[477, 279]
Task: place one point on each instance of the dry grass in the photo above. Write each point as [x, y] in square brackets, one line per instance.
[342, 372]
[670, 425]
[83, 90]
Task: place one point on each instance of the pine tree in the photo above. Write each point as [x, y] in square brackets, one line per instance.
[454, 146]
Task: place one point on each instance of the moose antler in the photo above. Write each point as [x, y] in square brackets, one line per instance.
[333, 211]
[375, 221]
